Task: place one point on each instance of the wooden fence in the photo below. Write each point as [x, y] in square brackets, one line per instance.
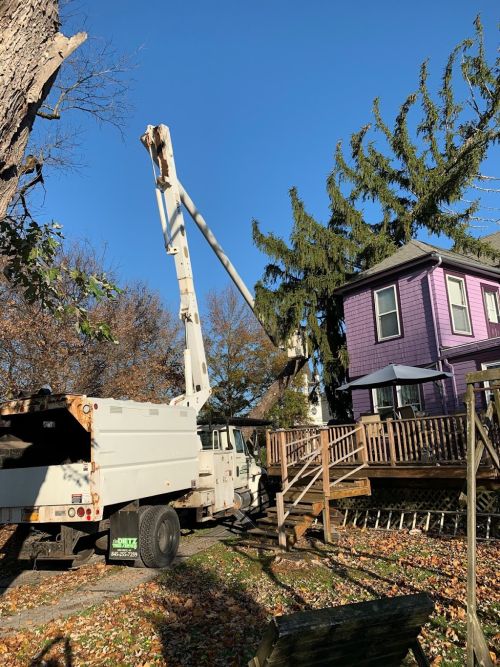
[423, 440]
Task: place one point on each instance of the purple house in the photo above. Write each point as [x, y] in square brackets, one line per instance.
[423, 306]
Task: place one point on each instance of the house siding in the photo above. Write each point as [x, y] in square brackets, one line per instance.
[417, 346]
[476, 307]
[469, 364]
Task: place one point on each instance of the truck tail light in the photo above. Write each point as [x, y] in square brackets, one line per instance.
[80, 511]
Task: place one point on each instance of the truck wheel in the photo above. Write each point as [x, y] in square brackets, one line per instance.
[159, 534]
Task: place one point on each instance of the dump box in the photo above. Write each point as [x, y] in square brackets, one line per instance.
[67, 458]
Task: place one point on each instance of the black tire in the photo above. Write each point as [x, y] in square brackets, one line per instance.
[138, 562]
[159, 535]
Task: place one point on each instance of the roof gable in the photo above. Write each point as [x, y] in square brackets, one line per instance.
[417, 252]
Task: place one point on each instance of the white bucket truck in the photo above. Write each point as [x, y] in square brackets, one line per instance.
[110, 474]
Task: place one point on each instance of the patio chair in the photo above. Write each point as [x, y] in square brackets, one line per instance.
[379, 633]
[406, 412]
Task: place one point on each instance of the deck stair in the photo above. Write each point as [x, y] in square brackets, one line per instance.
[309, 484]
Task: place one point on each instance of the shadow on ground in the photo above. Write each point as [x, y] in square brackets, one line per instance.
[225, 622]
[41, 659]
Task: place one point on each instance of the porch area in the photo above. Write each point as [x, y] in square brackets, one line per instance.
[420, 447]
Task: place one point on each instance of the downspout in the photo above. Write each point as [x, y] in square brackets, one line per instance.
[453, 380]
[437, 341]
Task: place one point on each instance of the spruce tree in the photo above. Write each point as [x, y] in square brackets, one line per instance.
[414, 176]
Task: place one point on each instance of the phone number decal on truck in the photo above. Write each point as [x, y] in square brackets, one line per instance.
[124, 547]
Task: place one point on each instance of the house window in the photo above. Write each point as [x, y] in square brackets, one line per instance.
[488, 394]
[459, 308]
[492, 306]
[387, 313]
[407, 394]
[383, 401]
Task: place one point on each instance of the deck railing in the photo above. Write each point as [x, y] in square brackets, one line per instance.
[436, 440]
[305, 456]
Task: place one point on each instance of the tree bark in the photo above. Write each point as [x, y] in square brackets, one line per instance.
[31, 52]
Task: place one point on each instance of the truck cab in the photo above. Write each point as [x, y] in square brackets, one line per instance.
[229, 477]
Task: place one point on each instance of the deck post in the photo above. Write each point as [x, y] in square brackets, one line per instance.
[390, 438]
[283, 459]
[280, 509]
[325, 461]
[477, 647]
[269, 459]
[361, 441]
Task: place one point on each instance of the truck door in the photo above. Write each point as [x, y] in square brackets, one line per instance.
[241, 460]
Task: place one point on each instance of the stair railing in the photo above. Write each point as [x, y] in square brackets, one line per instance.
[308, 459]
[324, 450]
[327, 448]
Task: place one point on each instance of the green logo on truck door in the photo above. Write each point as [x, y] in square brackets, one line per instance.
[125, 543]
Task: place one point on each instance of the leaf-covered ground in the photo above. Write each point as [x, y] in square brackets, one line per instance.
[212, 608]
[52, 589]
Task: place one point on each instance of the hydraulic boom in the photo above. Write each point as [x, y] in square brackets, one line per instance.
[170, 194]
[157, 141]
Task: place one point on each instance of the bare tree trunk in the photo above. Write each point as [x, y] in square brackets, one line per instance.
[277, 389]
[31, 52]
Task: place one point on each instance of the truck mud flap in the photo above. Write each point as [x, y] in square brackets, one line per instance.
[124, 535]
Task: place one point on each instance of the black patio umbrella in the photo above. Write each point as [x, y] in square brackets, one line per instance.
[395, 375]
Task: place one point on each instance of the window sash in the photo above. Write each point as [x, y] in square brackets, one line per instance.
[381, 314]
[458, 304]
[383, 397]
[492, 306]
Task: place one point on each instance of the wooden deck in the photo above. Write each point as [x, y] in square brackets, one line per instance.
[426, 447]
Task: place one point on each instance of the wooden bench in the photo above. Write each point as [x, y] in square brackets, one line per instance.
[376, 633]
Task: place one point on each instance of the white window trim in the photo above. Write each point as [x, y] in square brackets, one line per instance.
[494, 291]
[466, 306]
[380, 338]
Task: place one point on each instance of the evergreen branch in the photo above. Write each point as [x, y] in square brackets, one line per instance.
[429, 124]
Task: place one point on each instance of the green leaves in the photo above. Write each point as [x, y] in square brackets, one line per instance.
[32, 250]
[414, 174]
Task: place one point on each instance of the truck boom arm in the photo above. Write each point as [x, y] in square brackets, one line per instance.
[295, 345]
[170, 194]
[159, 145]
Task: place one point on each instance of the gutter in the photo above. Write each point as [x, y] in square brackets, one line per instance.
[361, 282]
[490, 272]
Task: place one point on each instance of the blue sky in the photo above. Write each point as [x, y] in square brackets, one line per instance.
[256, 95]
